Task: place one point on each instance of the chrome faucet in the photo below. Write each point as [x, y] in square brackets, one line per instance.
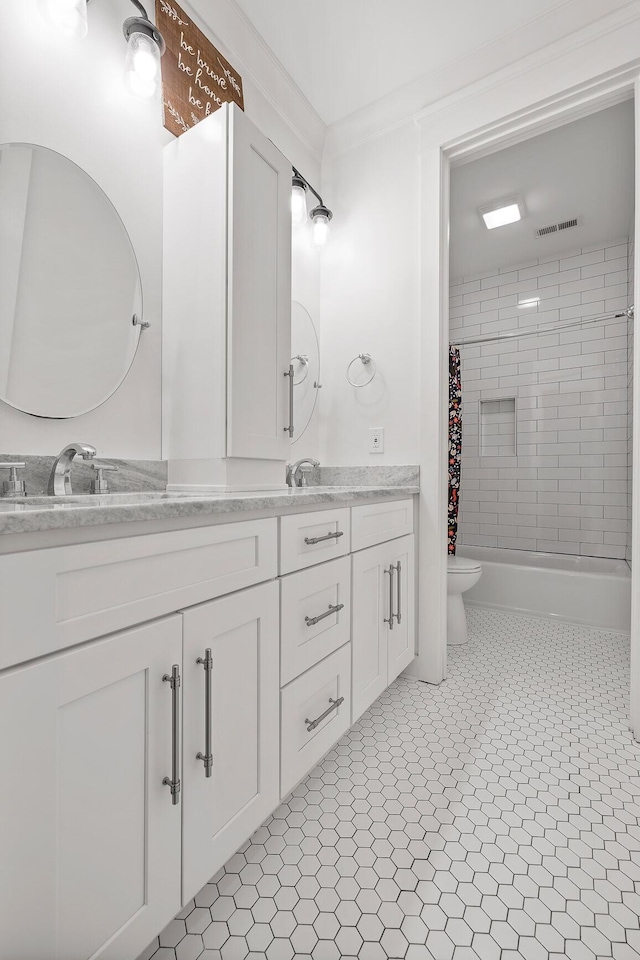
[60, 477]
[297, 474]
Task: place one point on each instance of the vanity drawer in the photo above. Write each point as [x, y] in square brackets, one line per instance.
[373, 523]
[51, 599]
[306, 597]
[308, 538]
[305, 700]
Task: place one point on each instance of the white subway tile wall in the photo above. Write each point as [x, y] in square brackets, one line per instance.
[566, 488]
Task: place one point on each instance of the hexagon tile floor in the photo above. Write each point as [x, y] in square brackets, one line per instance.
[496, 816]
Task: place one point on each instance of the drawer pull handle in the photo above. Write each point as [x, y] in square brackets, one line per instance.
[207, 756]
[334, 704]
[173, 782]
[327, 536]
[398, 614]
[389, 619]
[311, 621]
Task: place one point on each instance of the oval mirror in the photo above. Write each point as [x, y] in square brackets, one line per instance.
[69, 286]
[305, 350]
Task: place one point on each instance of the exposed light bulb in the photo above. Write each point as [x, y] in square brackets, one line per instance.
[320, 231]
[142, 66]
[320, 216]
[298, 201]
[68, 17]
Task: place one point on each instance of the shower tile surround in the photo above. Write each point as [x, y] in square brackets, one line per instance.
[567, 489]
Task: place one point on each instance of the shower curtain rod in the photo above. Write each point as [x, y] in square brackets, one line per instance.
[554, 328]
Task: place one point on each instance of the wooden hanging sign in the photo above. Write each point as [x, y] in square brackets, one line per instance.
[196, 78]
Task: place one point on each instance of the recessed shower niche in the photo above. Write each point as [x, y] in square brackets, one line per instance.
[498, 427]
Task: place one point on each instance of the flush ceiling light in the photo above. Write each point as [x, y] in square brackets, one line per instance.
[145, 46]
[320, 215]
[500, 213]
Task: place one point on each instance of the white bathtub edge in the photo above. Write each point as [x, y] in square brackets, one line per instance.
[524, 612]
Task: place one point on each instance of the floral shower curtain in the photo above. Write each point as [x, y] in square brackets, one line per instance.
[455, 443]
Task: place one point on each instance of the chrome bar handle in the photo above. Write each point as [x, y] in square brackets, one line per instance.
[311, 621]
[327, 536]
[173, 782]
[399, 593]
[290, 374]
[207, 756]
[389, 619]
[333, 705]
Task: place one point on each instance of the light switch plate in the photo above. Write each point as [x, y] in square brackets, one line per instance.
[376, 440]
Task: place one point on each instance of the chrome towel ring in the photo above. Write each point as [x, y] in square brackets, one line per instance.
[303, 360]
[366, 359]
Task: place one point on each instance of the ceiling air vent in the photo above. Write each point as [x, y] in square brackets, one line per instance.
[557, 227]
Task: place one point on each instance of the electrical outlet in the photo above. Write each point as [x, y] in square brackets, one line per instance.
[376, 444]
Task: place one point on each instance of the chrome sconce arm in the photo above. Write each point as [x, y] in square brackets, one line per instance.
[320, 215]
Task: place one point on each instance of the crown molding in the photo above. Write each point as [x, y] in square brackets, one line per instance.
[527, 48]
[605, 91]
[236, 37]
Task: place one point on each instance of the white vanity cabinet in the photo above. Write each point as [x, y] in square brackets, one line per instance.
[226, 302]
[123, 791]
[231, 727]
[383, 637]
[347, 622]
[90, 839]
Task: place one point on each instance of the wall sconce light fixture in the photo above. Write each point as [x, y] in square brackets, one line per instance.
[145, 43]
[145, 46]
[320, 215]
[298, 199]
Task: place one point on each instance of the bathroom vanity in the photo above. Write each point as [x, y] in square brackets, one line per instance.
[170, 668]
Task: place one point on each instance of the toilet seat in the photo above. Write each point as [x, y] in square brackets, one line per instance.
[463, 565]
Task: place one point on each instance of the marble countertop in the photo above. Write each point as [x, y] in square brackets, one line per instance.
[35, 514]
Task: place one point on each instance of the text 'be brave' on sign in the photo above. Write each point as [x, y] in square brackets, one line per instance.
[196, 79]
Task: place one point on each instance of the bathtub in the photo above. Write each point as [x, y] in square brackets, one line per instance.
[583, 589]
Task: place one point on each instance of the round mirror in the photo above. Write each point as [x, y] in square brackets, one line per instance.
[305, 358]
[69, 286]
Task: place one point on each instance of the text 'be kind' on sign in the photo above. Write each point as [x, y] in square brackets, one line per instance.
[196, 78]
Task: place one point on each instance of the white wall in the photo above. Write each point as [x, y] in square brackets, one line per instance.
[630, 391]
[68, 96]
[529, 89]
[370, 301]
[563, 489]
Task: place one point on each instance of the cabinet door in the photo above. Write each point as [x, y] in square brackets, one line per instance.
[401, 640]
[90, 840]
[259, 292]
[221, 811]
[370, 605]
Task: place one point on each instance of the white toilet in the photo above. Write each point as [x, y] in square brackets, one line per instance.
[462, 574]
